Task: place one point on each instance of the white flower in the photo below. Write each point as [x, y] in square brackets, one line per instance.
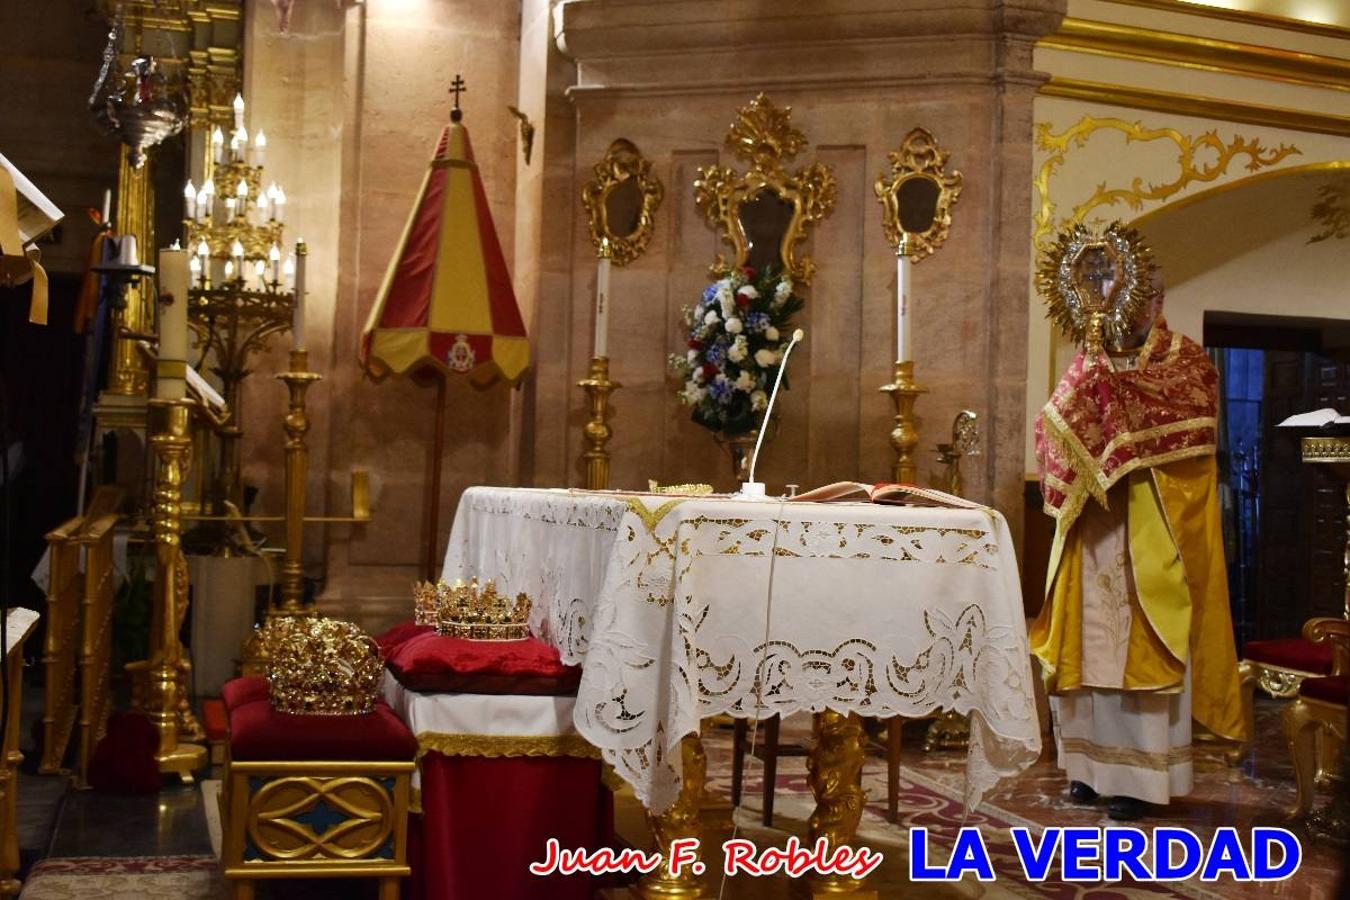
[744, 382]
[734, 326]
[711, 318]
[738, 350]
[748, 291]
[770, 333]
[721, 376]
[759, 400]
[691, 357]
[693, 394]
[765, 358]
[696, 375]
[781, 292]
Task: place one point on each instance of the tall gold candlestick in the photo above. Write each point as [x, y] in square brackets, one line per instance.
[597, 430]
[905, 436]
[165, 699]
[298, 380]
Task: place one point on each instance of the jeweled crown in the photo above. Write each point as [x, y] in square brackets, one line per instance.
[472, 612]
[321, 667]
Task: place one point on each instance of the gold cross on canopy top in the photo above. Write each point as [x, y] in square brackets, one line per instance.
[457, 87]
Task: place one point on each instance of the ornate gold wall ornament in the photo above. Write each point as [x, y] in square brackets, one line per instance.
[764, 136]
[1200, 160]
[320, 666]
[1096, 285]
[621, 202]
[917, 196]
[1332, 211]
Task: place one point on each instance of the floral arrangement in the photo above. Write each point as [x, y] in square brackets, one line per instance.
[737, 334]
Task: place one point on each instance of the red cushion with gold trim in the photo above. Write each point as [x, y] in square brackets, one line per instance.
[1330, 689]
[400, 633]
[431, 663]
[1291, 653]
[259, 732]
[239, 691]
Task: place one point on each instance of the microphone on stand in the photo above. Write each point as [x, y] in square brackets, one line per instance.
[752, 489]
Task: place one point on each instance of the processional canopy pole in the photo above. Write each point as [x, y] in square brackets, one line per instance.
[446, 305]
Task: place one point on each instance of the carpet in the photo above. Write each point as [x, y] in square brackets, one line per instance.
[125, 878]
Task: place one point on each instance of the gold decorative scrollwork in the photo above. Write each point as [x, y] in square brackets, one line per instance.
[363, 810]
[918, 159]
[1332, 211]
[1199, 159]
[763, 135]
[623, 163]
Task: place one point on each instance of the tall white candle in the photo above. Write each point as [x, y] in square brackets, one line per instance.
[218, 145]
[238, 110]
[259, 148]
[903, 351]
[298, 318]
[173, 327]
[107, 207]
[602, 302]
[189, 200]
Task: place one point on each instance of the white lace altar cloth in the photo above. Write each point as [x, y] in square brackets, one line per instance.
[666, 605]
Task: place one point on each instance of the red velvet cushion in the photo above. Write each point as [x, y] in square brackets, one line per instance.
[259, 732]
[240, 691]
[1291, 653]
[1329, 690]
[400, 633]
[430, 663]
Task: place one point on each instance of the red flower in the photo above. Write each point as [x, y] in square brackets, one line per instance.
[709, 371]
[742, 301]
[749, 273]
[695, 344]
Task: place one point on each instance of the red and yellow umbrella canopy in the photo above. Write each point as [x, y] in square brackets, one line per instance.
[446, 301]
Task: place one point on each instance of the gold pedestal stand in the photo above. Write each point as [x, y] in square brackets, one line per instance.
[905, 436]
[298, 380]
[165, 699]
[597, 431]
[682, 820]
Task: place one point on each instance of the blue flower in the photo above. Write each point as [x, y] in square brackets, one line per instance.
[720, 390]
[757, 321]
[709, 294]
[715, 354]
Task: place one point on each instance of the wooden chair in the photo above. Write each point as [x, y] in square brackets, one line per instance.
[768, 749]
[1279, 667]
[1317, 718]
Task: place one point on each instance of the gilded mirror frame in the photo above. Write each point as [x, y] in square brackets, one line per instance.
[919, 156]
[764, 136]
[623, 163]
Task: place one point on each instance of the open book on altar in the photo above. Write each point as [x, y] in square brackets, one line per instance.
[1318, 418]
[886, 492]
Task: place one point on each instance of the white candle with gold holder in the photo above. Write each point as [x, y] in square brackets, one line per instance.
[620, 203]
[916, 198]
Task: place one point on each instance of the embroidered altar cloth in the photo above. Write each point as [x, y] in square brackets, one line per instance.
[680, 608]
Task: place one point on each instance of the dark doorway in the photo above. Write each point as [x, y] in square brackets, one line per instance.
[1284, 520]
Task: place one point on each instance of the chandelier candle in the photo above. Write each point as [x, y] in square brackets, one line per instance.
[602, 299]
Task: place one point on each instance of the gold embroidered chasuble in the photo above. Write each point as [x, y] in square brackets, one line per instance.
[1144, 440]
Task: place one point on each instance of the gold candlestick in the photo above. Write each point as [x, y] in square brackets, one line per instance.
[597, 430]
[253, 655]
[165, 699]
[298, 380]
[905, 436]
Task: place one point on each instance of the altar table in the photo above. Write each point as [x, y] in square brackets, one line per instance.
[678, 608]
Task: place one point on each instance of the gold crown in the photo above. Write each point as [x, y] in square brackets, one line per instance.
[321, 667]
[472, 612]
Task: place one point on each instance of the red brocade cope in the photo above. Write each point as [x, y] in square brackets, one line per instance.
[1102, 424]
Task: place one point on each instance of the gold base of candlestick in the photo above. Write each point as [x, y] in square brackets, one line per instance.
[597, 430]
[905, 436]
[165, 697]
